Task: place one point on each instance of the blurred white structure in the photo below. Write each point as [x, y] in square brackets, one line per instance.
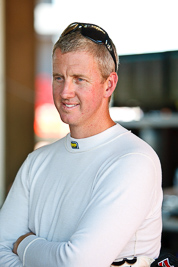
[135, 26]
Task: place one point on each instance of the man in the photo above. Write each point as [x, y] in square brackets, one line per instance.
[93, 198]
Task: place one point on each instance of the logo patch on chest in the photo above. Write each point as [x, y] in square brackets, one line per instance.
[74, 145]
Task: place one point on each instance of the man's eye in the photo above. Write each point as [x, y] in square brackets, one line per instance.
[58, 78]
[81, 79]
[78, 79]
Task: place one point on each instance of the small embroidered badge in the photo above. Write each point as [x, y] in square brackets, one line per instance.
[74, 145]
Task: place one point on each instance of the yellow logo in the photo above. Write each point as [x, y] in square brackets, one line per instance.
[74, 145]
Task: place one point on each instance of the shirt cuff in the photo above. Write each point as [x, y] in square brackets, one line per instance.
[24, 245]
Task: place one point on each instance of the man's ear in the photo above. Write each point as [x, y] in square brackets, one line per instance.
[111, 83]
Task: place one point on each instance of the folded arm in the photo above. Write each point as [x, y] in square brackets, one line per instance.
[115, 212]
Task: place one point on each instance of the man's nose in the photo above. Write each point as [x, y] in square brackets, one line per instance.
[68, 90]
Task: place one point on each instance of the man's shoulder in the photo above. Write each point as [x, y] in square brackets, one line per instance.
[130, 143]
[48, 150]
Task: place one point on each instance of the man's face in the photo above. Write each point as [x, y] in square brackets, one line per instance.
[78, 89]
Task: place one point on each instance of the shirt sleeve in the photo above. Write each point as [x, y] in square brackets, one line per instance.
[14, 218]
[116, 210]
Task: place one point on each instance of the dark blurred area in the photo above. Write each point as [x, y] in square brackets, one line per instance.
[146, 81]
[150, 81]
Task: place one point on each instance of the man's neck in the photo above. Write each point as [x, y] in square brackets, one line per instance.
[79, 132]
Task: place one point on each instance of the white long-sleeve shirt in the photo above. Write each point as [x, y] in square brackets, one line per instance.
[87, 206]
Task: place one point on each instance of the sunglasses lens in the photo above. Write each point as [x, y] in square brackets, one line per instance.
[69, 29]
[94, 34]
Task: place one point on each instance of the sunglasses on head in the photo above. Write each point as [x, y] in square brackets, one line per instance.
[94, 33]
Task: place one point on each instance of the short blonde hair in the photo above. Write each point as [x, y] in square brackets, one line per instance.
[75, 41]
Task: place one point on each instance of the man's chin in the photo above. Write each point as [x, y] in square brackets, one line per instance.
[68, 121]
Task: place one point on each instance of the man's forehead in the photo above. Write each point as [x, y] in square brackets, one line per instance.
[77, 53]
[78, 59]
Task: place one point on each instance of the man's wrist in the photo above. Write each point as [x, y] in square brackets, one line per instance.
[25, 245]
[19, 240]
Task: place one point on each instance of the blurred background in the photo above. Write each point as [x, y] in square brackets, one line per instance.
[145, 100]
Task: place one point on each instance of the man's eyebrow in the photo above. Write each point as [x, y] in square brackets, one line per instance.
[75, 75]
[79, 75]
[56, 74]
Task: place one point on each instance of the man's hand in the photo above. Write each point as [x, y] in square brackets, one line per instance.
[16, 244]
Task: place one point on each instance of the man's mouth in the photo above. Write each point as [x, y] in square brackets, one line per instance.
[70, 106]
